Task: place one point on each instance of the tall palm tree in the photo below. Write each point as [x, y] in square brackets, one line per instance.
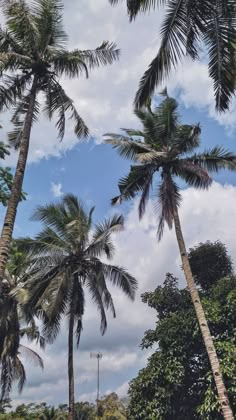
[66, 259]
[164, 148]
[14, 326]
[33, 57]
[187, 26]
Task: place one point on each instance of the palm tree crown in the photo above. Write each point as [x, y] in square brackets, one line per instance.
[33, 48]
[187, 25]
[65, 259]
[165, 148]
[14, 326]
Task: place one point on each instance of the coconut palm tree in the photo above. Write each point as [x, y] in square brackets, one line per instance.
[14, 327]
[66, 260]
[186, 27]
[33, 57]
[164, 148]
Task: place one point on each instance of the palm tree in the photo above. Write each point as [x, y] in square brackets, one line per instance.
[164, 147]
[66, 259]
[33, 56]
[13, 327]
[187, 25]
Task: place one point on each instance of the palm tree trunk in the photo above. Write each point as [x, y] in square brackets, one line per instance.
[208, 341]
[9, 221]
[71, 369]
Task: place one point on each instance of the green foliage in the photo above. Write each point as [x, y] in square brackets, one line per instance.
[6, 178]
[209, 262]
[14, 325]
[85, 411]
[177, 382]
[111, 405]
[111, 408]
[185, 27]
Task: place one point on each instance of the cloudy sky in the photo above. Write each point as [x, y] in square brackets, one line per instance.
[91, 170]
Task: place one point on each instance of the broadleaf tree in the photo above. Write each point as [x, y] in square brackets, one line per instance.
[177, 382]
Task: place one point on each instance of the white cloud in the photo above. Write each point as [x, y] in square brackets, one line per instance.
[56, 189]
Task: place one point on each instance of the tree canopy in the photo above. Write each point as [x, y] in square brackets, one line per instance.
[177, 381]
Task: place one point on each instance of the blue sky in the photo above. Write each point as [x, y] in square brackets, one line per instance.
[91, 171]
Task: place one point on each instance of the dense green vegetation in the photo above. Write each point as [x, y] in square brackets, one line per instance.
[177, 382]
[110, 408]
[43, 280]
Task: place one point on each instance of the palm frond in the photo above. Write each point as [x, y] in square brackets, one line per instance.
[58, 102]
[76, 306]
[31, 355]
[126, 146]
[7, 376]
[13, 88]
[136, 6]
[48, 16]
[19, 374]
[171, 51]
[12, 61]
[8, 43]
[120, 278]
[70, 63]
[192, 174]
[21, 24]
[100, 242]
[168, 199]
[215, 159]
[18, 118]
[103, 55]
[186, 140]
[135, 181]
[96, 295]
[219, 38]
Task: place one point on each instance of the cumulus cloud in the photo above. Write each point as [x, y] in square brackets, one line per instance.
[205, 215]
[56, 189]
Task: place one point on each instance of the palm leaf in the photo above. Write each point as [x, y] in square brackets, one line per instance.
[31, 355]
[135, 181]
[215, 159]
[168, 199]
[171, 51]
[119, 277]
[48, 17]
[219, 38]
[21, 24]
[126, 146]
[192, 174]
[12, 89]
[103, 55]
[57, 101]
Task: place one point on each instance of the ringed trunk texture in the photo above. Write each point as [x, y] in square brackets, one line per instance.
[71, 369]
[9, 221]
[206, 335]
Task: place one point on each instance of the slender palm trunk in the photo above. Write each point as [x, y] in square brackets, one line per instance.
[71, 369]
[9, 221]
[208, 341]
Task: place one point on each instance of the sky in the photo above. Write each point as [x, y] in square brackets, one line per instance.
[91, 170]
